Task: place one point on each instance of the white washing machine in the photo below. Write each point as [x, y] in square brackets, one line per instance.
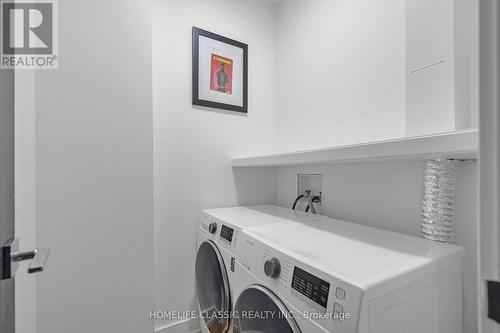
[327, 275]
[218, 239]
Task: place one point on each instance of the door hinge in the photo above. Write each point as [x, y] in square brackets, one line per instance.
[493, 300]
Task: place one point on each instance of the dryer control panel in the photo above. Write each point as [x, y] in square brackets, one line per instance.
[223, 233]
[226, 233]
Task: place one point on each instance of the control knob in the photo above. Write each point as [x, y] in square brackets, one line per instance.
[212, 228]
[272, 268]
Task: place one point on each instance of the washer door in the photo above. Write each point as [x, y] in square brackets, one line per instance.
[259, 310]
[212, 287]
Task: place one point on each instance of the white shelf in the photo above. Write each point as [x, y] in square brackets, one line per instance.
[456, 145]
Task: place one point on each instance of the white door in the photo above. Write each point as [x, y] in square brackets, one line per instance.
[18, 258]
[25, 214]
[489, 169]
[84, 176]
[7, 283]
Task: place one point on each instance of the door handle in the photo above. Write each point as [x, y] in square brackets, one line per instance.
[10, 256]
[39, 259]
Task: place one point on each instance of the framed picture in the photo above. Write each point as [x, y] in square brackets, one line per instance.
[220, 72]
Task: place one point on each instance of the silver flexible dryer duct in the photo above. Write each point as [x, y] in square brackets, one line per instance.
[438, 204]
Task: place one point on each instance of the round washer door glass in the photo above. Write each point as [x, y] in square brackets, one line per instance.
[212, 288]
[259, 310]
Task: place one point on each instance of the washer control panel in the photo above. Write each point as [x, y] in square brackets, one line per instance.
[310, 286]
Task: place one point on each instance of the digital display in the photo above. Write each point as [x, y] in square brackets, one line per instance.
[310, 286]
[226, 233]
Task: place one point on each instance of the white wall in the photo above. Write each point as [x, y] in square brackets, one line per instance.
[441, 65]
[94, 171]
[346, 70]
[341, 72]
[466, 42]
[430, 66]
[194, 145]
[388, 196]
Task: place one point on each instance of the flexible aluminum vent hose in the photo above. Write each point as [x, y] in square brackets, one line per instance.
[438, 204]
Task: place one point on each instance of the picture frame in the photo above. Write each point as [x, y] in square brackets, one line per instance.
[220, 71]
